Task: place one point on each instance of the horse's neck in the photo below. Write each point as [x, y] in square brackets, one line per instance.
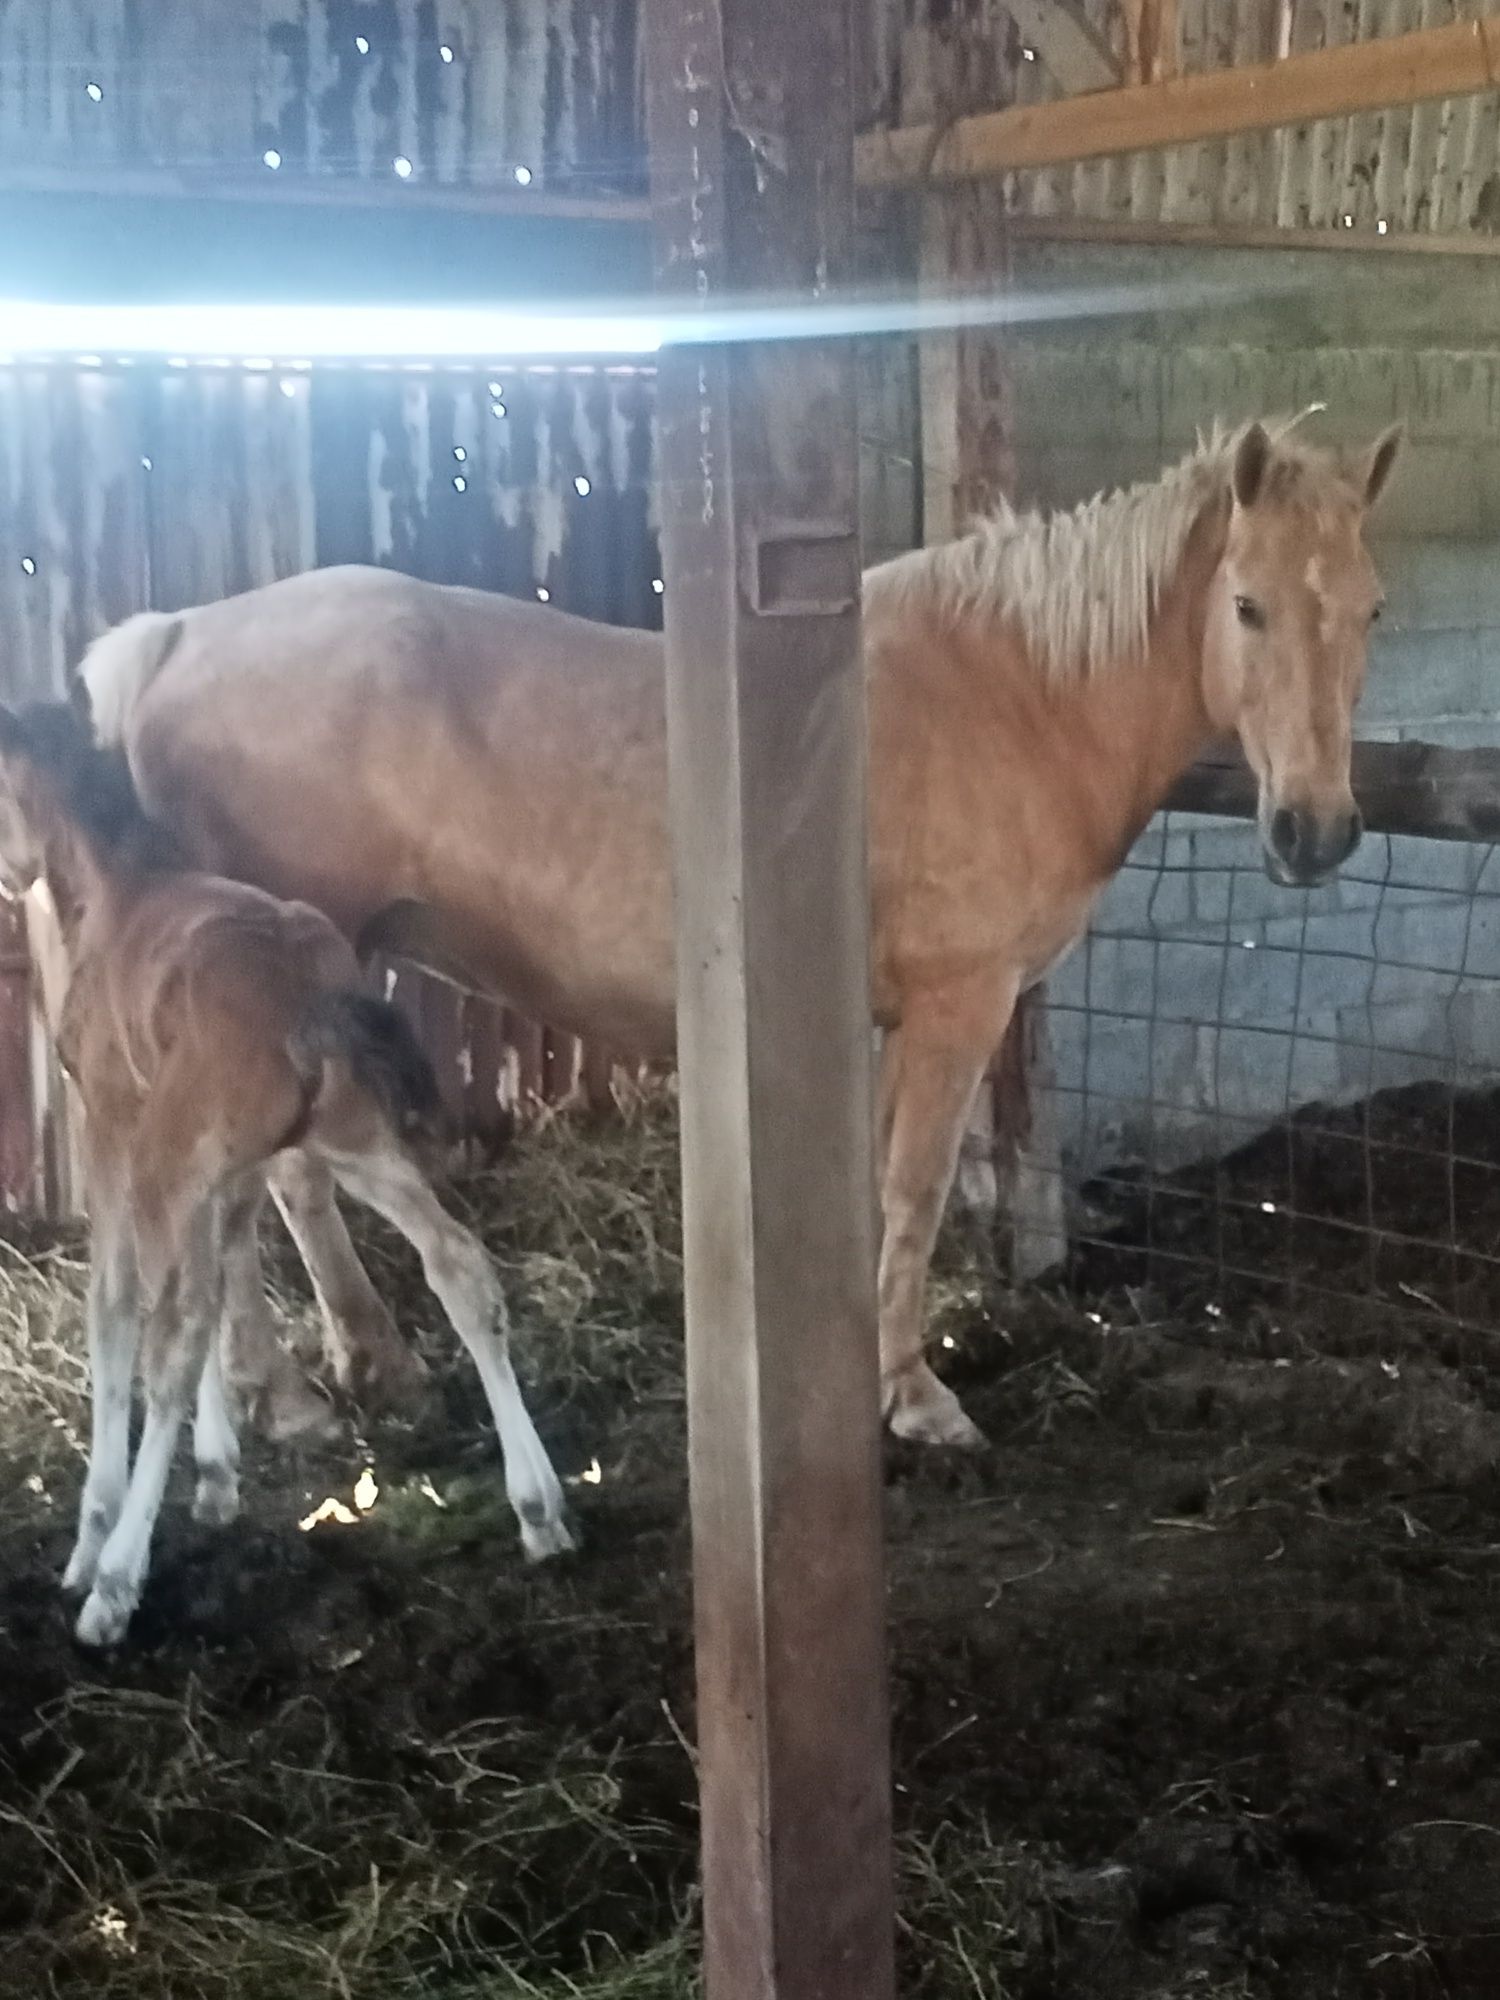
[1148, 715]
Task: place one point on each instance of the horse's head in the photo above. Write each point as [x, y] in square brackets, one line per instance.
[1289, 618]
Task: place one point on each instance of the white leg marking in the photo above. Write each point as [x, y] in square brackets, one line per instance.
[216, 1449]
[181, 1328]
[113, 1337]
[463, 1277]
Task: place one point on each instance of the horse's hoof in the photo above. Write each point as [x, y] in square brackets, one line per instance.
[930, 1413]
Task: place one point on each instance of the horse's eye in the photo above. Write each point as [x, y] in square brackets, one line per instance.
[1250, 613]
[1377, 614]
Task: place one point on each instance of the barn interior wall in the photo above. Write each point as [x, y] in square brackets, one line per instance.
[1206, 998]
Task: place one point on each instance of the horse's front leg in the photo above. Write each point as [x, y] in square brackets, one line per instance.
[370, 1361]
[928, 1088]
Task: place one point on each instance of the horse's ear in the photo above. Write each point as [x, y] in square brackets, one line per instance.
[1374, 469]
[1252, 456]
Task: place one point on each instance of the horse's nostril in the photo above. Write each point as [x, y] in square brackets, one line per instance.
[1284, 832]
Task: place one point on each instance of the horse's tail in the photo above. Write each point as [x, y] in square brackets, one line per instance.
[376, 1041]
[119, 667]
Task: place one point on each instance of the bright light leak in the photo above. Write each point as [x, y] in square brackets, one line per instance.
[366, 1492]
[96, 95]
[445, 53]
[329, 1510]
[401, 168]
[485, 335]
[523, 176]
[272, 158]
[346, 333]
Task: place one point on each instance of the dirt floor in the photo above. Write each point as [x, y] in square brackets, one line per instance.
[1196, 1671]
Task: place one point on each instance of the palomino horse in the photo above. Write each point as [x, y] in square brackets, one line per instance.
[209, 1028]
[481, 784]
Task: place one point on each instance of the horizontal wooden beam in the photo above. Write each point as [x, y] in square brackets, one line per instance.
[1412, 788]
[1360, 240]
[1452, 61]
[292, 190]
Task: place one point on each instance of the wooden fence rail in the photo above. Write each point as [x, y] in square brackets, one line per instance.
[1410, 788]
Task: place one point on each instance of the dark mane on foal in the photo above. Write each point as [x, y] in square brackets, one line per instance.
[96, 786]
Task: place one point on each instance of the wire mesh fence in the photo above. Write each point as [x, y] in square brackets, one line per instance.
[1289, 1098]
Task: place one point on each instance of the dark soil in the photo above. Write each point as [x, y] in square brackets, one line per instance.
[1196, 1671]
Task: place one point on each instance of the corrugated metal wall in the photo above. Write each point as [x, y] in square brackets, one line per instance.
[1434, 168]
[122, 489]
[466, 91]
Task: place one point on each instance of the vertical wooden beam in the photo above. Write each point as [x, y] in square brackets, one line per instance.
[751, 146]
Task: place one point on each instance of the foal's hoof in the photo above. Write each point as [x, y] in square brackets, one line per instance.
[78, 1577]
[216, 1502]
[925, 1411]
[103, 1621]
[545, 1535]
[391, 1377]
[292, 1411]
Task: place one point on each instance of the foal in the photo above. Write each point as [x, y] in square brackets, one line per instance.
[209, 1028]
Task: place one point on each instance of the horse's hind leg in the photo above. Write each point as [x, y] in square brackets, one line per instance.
[929, 1090]
[260, 1376]
[113, 1336]
[179, 1331]
[216, 1447]
[369, 1359]
[460, 1272]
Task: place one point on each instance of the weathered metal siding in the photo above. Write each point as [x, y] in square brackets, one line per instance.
[205, 88]
[128, 488]
[1434, 168]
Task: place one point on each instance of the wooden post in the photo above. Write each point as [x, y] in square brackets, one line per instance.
[751, 147]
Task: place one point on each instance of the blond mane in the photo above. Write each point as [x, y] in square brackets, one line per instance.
[1083, 584]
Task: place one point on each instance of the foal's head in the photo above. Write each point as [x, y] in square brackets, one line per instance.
[58, 790]
[1289, 617]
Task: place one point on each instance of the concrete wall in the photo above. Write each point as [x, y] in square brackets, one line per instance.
[1207, 1001]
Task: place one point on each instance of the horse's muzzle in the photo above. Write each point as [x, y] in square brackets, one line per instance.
[1305, 848]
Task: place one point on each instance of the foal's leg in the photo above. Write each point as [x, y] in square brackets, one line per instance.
[216, 1448]
[113, 1337]
[258, 1373]
[928, 1092]
[370, 1361]
[179, 1331]
[460, 1272]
